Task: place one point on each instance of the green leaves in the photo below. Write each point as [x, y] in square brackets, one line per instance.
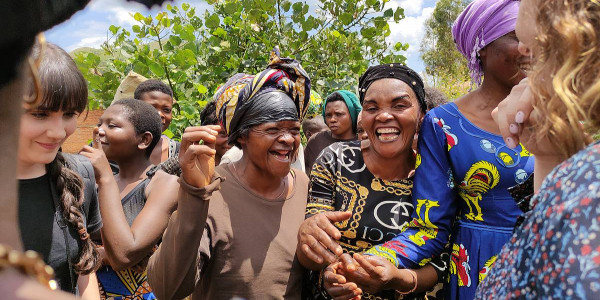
[398, 14]
[195, 53]
[185, 58]
[230, 8]
[368, 32]
[113, 29]
[212, 21]
[157, 69]
[201, 88]
[346, 18]
[388, 13]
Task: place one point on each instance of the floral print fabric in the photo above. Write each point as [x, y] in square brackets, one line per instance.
[555, 253]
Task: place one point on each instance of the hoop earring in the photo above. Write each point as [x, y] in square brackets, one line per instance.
[34, 66]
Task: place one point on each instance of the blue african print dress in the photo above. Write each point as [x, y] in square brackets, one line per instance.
[460, 195]
[555, 253]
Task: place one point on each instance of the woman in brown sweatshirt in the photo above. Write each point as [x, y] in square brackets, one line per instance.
[243, 245]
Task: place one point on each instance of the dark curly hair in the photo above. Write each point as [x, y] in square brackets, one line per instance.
[434, 98]
[152, 85]
[144, 118]
[208, 116]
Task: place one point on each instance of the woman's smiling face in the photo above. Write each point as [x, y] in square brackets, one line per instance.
[272, 146]
[42, 133]
[117, 133]
[390, 117]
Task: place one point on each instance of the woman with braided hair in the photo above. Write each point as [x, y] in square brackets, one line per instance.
[58, 206]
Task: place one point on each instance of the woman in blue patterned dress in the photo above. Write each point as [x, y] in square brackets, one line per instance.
[556, 250]
[464, 166]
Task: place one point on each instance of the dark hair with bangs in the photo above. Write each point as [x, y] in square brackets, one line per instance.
[63, 88]
[62, 84]
[144, 118]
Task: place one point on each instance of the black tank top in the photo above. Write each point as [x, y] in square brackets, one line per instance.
[134, 201]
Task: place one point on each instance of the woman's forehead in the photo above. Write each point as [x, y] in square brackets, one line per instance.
[389, 89]
[281, 123]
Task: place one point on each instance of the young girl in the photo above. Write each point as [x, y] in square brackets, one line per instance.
[58, 207]
[136, 203]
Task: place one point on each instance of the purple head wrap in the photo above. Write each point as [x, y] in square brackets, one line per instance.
[481, 23]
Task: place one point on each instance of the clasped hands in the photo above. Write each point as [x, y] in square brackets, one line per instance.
[345, 276]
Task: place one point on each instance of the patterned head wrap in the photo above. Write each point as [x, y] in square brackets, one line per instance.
[279, 93]
[481, 23]
[396, 71]
[352, 103]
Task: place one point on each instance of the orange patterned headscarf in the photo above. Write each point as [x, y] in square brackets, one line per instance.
[235, 100]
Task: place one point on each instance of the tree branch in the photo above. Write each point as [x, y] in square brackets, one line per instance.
[163, 65]
[302, 48]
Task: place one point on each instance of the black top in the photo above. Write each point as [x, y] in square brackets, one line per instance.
[42, 227]
[134, 201]
[316, 144]
[341, 181]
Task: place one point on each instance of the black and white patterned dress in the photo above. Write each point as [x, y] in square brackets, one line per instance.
[340, 181]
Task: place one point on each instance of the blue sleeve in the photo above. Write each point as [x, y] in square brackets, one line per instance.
[427, 234]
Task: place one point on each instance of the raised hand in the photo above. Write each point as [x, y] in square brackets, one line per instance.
[317, 236]
[95, 154]
[336, 285]
[197, 154]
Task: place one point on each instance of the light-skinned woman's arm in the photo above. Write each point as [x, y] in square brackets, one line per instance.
[88, 287]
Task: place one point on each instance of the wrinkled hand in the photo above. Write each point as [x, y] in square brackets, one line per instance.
[197, 154]
[336, 285]
[375, 274]
[96, 155]
[317, 236]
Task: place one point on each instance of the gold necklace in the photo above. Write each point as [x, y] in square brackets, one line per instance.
[29, 263]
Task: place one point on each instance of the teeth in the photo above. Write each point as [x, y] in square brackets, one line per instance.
[387, 138]
[387, 130]
[283, 154]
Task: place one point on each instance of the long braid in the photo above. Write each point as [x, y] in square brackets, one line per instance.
[70, 186]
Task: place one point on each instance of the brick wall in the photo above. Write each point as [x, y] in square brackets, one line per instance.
[83, 134]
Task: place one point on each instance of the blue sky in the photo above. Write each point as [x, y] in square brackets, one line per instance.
[89, 27]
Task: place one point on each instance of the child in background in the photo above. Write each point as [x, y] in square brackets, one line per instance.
[313, 126]
[160, 96]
